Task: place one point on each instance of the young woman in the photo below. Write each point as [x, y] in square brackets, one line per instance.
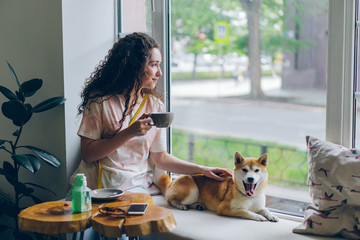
[110, 99]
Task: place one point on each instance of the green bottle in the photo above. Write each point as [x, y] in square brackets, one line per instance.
[81, 198]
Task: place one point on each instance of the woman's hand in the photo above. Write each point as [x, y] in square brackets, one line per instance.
[216, 173]
[93, 150]
[141, 126]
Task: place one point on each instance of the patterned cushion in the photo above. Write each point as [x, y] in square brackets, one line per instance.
[334, 186]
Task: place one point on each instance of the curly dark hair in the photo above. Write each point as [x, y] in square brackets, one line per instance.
[121, 72]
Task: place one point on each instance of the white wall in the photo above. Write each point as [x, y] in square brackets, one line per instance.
[60, 42]
[88, 34]
[31, 40]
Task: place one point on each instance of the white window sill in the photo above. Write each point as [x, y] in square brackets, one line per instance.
[206, 225]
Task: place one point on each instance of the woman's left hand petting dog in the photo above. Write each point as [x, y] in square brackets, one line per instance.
[241, 195]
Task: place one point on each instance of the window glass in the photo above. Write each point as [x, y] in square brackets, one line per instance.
[136, 16]
[250, 77]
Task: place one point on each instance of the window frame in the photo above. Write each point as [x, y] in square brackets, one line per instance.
[162, 34]
[340, 122]
[340, 101]
[339, 104]
[356, 72]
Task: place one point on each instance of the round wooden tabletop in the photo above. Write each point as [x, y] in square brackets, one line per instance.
[58, 218]
[54, 218]
[156, 219]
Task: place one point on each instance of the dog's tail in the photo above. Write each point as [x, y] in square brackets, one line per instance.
[164, 183]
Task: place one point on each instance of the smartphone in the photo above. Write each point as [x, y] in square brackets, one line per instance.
[137, 208]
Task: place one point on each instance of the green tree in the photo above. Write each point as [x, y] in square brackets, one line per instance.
[193, 22]
[262, 31]
[272, 28]
[267, 28]
[252, 8]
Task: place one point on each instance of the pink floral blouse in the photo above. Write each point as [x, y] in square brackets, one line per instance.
[128, 166]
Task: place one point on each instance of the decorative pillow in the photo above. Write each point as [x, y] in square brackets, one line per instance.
[334, 186]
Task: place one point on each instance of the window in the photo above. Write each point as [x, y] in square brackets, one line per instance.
[264, 95]
[261, 95]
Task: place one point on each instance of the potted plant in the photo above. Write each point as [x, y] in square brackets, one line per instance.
[19, 111]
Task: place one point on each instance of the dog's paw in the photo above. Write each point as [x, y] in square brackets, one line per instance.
[260, 218]
[269, 216]
[178, 205]
[272, 218]
[184, 207]
[198, 206]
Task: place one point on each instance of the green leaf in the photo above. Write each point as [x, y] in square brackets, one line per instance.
[10, 173]
[28, 161]
[11, 179]
[20, 187]
[14, 110]
[20, 95]
[46, 156]
[44, 188]
[16, 133]
[30, 87]
[28, 115]
[9, 169]
[14, 74]
[49, 104]
[7, 93]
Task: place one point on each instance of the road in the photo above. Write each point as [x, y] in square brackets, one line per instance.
[266, 121]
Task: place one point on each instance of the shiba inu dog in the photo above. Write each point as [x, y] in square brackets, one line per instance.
[241, 195]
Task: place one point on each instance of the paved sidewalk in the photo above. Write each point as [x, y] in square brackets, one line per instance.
[220, 88]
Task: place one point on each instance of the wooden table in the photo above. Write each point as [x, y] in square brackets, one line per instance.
[155, 220]
[54, 218]
[57, 218]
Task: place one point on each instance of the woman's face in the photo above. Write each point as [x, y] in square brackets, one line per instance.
[152, 69]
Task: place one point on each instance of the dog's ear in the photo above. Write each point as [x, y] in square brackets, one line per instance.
[263, 159]
[238, 158]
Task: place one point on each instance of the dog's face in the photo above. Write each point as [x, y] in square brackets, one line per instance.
[250, 174]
